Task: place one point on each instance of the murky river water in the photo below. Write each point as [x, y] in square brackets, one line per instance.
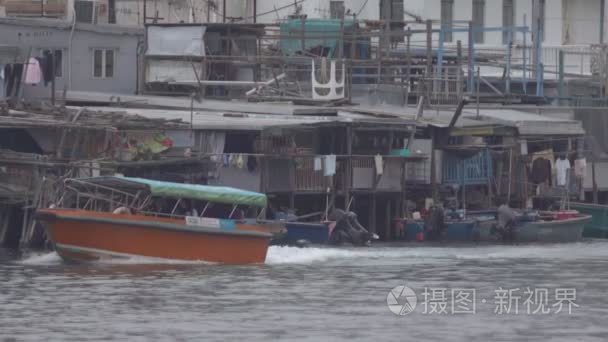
[315, 294]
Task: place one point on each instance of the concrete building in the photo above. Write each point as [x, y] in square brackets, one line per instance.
[95, 57]
[565, 22]
[130, 12]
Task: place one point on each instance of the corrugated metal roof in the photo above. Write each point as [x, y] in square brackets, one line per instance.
[530, 123]
[525, 122]
[212, 120]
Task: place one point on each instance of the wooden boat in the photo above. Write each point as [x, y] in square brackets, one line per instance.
[566, 230]
[482, 226]
[548, 228]
[598, 226]
[97, 229]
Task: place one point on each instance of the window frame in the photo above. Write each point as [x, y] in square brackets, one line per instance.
[332, 9]
[479, 21]
[104, 65]
[507, 5]
[447, 22]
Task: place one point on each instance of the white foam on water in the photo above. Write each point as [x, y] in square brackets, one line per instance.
[425, 253]
[51, 258]
[295, 255]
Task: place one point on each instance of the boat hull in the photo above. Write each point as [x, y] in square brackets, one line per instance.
[483, 229]
[80, 235]
[598, 226]
[569, 230]
[456, 231]
[298, 232]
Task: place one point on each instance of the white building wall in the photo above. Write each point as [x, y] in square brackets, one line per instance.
[581, 23]
[554, 21]
[314, 9]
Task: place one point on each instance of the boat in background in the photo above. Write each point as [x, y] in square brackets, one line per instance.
[598, 226]
[305, 233]
[109, 217]
[544, 227]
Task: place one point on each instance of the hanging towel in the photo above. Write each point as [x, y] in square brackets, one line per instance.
[330, 165]
[562, 166]
[580, 167]
[240, 161]
[379, 166]
[318, 164]
[2, 92]
[32, 72]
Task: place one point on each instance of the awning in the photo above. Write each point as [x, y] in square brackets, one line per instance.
[216, 194]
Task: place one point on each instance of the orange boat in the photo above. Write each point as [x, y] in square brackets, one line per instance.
[109, 217]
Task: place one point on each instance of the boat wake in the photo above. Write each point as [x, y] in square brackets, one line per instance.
[51, 258]
[280, 255]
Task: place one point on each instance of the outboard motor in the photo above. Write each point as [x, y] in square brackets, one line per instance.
[349, 230]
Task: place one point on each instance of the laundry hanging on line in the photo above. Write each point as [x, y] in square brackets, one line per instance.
[330, 165]
[33, 74]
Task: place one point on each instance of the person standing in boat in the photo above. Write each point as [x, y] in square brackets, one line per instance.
[506, 220]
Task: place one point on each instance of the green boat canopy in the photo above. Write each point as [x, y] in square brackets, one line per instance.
[217, 194]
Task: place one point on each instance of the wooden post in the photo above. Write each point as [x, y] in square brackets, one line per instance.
[471, 58]
[459, 69]
[429, 48]
[349, 165]
[510, 175]
[52, 66]
[373, 226]
[408, 63]
[387, 229]
[403, 200]
[302, 34]
[595, 194]
[340, 46]
[224, 11]
[433, 171]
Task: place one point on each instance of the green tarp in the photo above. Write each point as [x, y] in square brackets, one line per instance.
[317, 32]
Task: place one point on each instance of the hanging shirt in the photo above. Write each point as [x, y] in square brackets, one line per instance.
[561, 169]
[580, 167]
[33, 74]
[318, 164]
[379, 166]
[330, 165]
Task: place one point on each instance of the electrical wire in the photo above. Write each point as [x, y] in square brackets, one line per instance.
[362, 7]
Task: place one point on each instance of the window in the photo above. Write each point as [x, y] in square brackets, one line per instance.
[541, 17]
[103, 63]
[479, 7]
[57, 58]
[84, 11]
[508, 18]
[447, 16]
[336, 9]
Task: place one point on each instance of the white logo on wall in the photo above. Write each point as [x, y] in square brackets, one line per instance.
[401, 300]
